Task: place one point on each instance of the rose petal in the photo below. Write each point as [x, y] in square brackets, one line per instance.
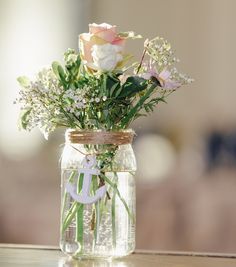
[119, 41]
[107, 35]
[94, 27]
[86, 42]
[101, 48]
[95, 40]
[104, 31]
[85, 46]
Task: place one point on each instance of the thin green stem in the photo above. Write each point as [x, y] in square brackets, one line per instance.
[70, 120]
[71, 214]
[95, 218]
[113, 212]
[141, 61]
[132, 173]
[114, 186]
[113, 216]
[79, 214]
[71, 177]
[127, 119]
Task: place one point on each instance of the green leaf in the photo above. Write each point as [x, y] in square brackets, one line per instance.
[60, 73]
[55, 65]
[140, 115]
[25, 119]
[112, 83]
[23, 81]
[118, 92]
[161, 99]
[113, 88]
[132, 86]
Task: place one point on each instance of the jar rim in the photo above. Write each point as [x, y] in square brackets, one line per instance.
[102, 137]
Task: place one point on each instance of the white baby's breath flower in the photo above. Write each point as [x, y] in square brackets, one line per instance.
[79, 105]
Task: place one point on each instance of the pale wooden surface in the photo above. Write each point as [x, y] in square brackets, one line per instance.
[37, 256]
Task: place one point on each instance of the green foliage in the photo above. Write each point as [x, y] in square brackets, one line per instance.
[72, 66]
[68, 75]
[129, 34]
[134, 110]
[149, 106]
[25, 119]
[73, 96]
[23, 81]
[112, 84]
[60, 74]
[132, 86]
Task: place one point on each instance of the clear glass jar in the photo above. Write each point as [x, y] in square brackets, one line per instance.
[98, 194]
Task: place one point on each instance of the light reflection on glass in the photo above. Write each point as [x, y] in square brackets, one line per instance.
[69, 262]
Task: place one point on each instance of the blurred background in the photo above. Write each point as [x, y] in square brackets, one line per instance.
[186, 150]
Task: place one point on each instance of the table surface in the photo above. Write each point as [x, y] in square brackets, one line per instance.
[35, 256]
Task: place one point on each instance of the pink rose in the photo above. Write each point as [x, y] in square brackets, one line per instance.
[101, 48]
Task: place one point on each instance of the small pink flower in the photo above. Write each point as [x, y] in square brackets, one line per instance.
[166, 82]
[164, 78]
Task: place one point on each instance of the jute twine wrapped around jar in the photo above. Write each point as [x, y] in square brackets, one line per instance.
[99, 137]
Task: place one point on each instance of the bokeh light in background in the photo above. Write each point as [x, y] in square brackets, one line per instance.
[185, 150]
[156, 157]
[34, 33]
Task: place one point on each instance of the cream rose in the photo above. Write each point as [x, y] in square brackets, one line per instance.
[105, 57]
[101, 49]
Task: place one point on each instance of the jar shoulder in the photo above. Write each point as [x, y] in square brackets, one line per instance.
[123, 160]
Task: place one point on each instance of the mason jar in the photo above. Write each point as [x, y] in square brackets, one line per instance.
[98, 194]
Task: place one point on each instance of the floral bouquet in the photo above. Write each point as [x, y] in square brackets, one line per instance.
[96, 95]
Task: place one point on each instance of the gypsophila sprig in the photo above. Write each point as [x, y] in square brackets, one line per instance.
[97, 88]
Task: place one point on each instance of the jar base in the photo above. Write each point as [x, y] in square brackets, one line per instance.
[78, 255]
